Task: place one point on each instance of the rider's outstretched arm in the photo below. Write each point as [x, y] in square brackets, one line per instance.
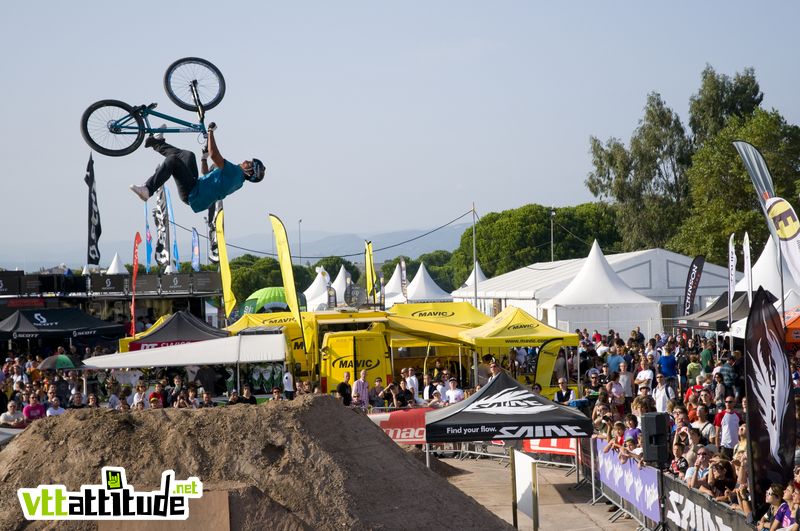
[213, 152]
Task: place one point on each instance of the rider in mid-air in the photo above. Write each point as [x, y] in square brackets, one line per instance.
[199, 192]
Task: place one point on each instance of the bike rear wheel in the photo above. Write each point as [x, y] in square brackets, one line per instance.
[111, 127]
[178, 82]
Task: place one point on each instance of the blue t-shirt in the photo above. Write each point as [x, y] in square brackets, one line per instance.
[216, 185]
[613, 363]
[669, 365]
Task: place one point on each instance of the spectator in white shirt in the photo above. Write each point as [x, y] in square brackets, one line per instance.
[55, 408]
[662, 394]
[412, 382]
[645, 375]
[454, 394]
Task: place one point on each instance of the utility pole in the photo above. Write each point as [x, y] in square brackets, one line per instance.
[474, 260]
[552, 220]
[300, 241]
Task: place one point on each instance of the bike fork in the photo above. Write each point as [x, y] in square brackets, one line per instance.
[201, 112]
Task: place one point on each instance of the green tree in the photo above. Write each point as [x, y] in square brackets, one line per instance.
[332, 264]
[723, 195]
[516, 238]
[647, 181]
[250, 273]
[721, 98]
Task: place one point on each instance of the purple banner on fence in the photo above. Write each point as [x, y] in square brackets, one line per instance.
[638, 486]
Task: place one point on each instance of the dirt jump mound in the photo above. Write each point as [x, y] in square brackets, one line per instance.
[304, 464]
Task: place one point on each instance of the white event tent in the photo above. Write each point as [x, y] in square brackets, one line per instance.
[476, 272]
[116, 267]
[424, 289]
[597, 298]
[393, 290]
[791, 301]
[317, 293]
[255, 348]
[340, 286]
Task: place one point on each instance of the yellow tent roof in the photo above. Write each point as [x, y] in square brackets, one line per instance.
[310, 319]
[424, 330]
[451, 313]
[249, 320]
[514, 327]
[124, 343]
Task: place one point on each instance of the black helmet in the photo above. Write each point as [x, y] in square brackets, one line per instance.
[257, 172]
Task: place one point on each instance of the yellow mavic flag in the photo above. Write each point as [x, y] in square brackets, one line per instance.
[369, 265]
[224, 266]
[285, 261]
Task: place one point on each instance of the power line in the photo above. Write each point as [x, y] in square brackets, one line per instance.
[265, 253]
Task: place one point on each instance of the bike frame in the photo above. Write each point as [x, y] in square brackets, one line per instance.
[146, 111]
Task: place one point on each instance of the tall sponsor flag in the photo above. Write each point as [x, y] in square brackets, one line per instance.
[731, 277]
[161, 219]
[756, 166]
[748, 268]
[213, 251]
[148, 240]
[136, 241]
[770, 404]
[95, 229]
[403, 277]
[784, 224]
[195, 250]
[224, 266]
[285, 261]
[174, 235]
[692, 282]
[369, 265]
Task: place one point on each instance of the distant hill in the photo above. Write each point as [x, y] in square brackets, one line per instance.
[32, 257]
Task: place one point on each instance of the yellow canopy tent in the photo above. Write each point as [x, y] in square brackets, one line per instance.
[124, 343]
[514, 327]
[451, 313]
[426, 331]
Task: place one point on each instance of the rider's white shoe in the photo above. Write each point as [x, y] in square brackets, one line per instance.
[141, 191]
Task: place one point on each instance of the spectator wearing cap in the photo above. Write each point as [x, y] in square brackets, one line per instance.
[726, 424]
[453, 393]
[159, 393]
[156, 403]
[233, 397]
[564, 395]
[376, 398]
[662, 393]
[494, 370]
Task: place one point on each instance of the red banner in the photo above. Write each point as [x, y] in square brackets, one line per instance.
[136, 241]
[551, 446]
[404, 426]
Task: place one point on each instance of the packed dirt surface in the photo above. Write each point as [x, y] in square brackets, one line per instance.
[304, 464]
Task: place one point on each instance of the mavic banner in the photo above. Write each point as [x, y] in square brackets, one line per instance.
[692, 282]
[224, 265]
[93, 249]
[285, 261]
[770, 403]
[161, 219]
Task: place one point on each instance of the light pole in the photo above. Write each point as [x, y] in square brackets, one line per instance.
[300, 241]
[552, 220]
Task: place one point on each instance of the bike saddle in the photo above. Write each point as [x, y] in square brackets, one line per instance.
[140, 108]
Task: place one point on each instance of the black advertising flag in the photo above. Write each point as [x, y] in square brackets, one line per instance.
[770, 410]
[161, 219]
[211, 222]
[93, 248]
[692, 282]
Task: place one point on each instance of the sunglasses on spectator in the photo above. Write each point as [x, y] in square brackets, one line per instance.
[702, 453]
[730, 402]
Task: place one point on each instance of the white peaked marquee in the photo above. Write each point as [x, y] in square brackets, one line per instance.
[116, 267]
[424, 289]
[597, 298]
[476, 272]
[317, 293]
[393, 289]
[340, 285]
[767, 274]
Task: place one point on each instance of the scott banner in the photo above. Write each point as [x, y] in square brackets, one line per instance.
[770, 403]
[692, 282]
[637, 486]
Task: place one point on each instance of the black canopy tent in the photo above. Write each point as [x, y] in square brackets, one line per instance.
[504, 409]
[180, 327]
[715, 317]
[56, 323]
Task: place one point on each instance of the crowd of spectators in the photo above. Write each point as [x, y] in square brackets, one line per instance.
[699, 384]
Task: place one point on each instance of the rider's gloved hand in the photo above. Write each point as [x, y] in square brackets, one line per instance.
[212, 127]
[204, 155]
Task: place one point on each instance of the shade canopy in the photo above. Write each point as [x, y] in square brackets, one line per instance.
[453, 313]
[265, 298]
[504, 409]
[424, 289]
[53, 323]
[317, 293]
[180, 327]
[715, 317]
[514, 327]
[222, 351]
[339, 285]
[393, 289]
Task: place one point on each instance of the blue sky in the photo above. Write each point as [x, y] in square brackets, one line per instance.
[371, 116]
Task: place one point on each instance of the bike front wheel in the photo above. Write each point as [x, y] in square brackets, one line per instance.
[111, 127]
[180, 76]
